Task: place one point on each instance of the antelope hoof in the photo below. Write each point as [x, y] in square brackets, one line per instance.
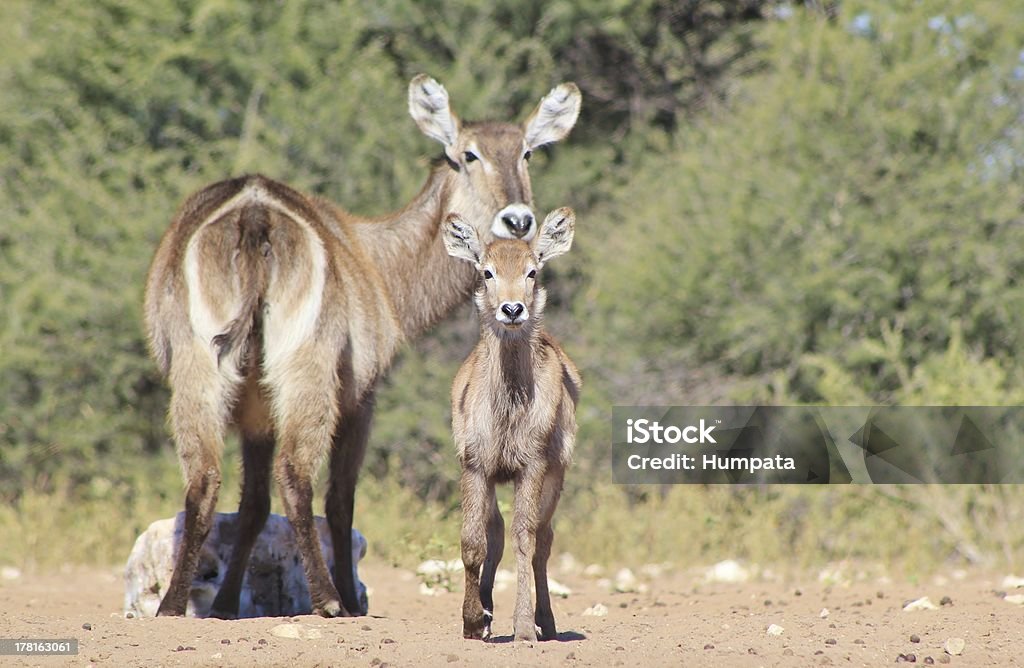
[478, 628]
[528, 634]
[330, 609]
[169, 609]
[223, 614]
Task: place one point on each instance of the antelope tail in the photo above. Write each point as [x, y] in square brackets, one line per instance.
[253, 274]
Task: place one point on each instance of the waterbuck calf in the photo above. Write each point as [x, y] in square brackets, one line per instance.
[276, 312]
[514, 418]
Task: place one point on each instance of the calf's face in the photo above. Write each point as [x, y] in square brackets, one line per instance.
[509, 296]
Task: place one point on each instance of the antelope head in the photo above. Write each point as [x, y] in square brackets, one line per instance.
[490, 180]
[509, 298]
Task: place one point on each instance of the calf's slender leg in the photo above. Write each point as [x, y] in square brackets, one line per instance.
[476, 495]
[525, 521]
[550, 494]
[495, 549]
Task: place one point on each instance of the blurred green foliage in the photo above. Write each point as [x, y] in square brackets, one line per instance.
[777, 203]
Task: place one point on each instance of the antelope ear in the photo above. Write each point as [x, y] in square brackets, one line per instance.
[428, 105]
[554, 116]
[555, 236]
[460, 239]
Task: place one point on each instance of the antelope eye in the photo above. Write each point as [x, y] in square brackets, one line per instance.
[488, 275]
[526, 156]
[532, 274]
[469, 156]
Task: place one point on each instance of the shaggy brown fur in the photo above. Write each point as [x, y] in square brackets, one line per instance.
[276, 312]
[514, 418]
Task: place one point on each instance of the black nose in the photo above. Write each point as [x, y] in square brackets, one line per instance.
[518, 225]
[512, 310]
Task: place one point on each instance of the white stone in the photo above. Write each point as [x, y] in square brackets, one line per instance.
[503, 579]
[729, 571]
[923, 603]
[775, 630]
[274, 584]
[955, 646]
[568, 564]
[438, 576]
[10, 573]
[625, 581]
[824, 613]
[1013, 582]
[558, 589]
[1016, 599]
[296, 631]
[596, 610]
[594, 571]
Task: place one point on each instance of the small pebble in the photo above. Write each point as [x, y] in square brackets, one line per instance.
[787, 652]
[709, 646]
[87, 626]
[452, 658]
[225, 641]
[366, 627]
[830, 641]
[262, 641]
[929, 660]
[387, 641]
[955, 646]
[620, 648]
[858, 641]
[945, 600]
[915, 638]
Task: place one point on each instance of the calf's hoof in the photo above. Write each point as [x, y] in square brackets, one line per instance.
[528, 634]
[478, 628]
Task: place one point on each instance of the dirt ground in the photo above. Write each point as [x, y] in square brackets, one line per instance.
[680, 619]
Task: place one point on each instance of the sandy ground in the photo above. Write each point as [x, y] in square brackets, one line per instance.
[679, 620]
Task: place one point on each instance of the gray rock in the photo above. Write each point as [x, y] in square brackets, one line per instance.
[274, 585]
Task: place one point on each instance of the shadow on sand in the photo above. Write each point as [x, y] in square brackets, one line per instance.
[564, 636]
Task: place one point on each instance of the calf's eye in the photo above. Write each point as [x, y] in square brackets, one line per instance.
[532, 274]
[488, 275]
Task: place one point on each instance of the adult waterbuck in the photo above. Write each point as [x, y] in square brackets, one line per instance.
[514, 418]
[276, 312]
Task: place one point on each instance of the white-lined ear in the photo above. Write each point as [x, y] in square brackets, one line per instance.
[460, 239]
[554, 116]
[555, 236]
[428, 106]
